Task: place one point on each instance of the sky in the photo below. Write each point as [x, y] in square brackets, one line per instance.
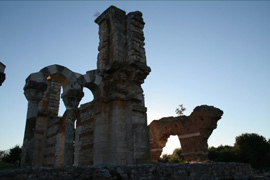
[201, 52]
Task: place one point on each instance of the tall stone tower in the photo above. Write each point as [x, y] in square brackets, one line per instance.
[121, 134]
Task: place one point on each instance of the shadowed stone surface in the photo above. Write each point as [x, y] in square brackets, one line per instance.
[193, 132]
[204, 171]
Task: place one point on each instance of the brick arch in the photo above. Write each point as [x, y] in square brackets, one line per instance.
[160, 131]
[94, 84]
[43, 88]
[193, 132]
[64, 76]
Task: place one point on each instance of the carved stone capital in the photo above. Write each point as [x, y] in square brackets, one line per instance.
[33, 95]
[72, 98]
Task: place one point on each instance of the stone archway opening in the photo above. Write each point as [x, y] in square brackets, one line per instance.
[56, 83]
[62, 107]
[172, 143]
[88, 96]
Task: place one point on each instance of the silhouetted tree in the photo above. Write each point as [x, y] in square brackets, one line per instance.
[223, 154]
[253, 149]
[175, 157]
[14, 156]
[180, 111]
[165, 158]
[2, 155]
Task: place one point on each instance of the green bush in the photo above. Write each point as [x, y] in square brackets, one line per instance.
[175, 157]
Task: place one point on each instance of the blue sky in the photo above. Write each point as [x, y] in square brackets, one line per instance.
[200, 52]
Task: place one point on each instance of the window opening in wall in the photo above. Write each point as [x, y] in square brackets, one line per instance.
[75, 124]
[62, 107]
[172, 143]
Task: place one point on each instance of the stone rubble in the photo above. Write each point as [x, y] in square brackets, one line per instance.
[199, 171]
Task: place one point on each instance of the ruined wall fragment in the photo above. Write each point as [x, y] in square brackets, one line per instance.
[193, 132]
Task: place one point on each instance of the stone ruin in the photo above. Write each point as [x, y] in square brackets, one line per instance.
[2, 74]
[111, 129]
[193, 132]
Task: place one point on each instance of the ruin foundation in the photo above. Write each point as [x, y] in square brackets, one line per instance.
[208, 171]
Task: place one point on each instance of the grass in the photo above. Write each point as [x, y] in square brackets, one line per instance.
[4, 166]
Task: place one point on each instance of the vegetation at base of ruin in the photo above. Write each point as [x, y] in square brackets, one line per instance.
[248, 148]
[180, 111]
[12, 159]
[175, 157]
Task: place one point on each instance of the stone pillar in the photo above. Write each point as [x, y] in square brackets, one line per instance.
[48, 110]
[2, 74]
[33, 93]
[71, 100]
[194, 148]
[112, 36]
[121, 132]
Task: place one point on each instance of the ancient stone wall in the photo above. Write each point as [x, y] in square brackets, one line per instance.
[193, 132]
[209, 171]
[84, 140]
[48, 139]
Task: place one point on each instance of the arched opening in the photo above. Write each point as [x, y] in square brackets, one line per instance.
[171, 151]
[56, 115]
[172, 143]
[62, 107]
[88, 96]
[55, 84]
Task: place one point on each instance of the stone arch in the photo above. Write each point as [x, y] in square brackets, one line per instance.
[40, 91]
[160, 131]
[93, 83]
[87, 116]
[192, 131]
[172, 143]
[64, 76]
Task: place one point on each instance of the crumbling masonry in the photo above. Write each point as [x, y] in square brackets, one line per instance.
[193, 132]
[111, 129]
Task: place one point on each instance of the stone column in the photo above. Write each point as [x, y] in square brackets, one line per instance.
[71, 100]
[194, 147]
[33, 94]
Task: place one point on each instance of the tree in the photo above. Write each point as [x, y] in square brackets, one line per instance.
[175, 157]
[253, 149]
[180, 111]
[2, 155]
[223, 154]
[14, 156]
